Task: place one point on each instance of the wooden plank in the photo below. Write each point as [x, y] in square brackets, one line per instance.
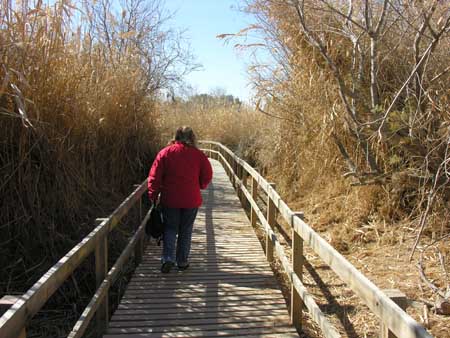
[194, 315]
[205, 306]
[206, 270]
[220, 332]
[199, 275]
[252, 286]
[200, 299]
[216, 264]
[217, 289]
[200, 321]
[238, 282]
[211, 266]
[148, 310]
[264, 280]
[202, 328]
[328, 330]
[206, 294]
[203, 273]
[81, 325]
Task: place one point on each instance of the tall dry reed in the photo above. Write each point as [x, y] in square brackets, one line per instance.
[213, 118]
[78, 86]
[354, 102]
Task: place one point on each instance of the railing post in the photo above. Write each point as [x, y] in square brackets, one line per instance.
[234, 167]
[244, 176]
[298, 260]
[254, 196]
[5, 303]
[398, 298]
[271, 212]
[139, 248]
[101, 270]
[239, 175]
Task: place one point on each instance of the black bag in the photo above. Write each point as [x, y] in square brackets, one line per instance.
[155, 226]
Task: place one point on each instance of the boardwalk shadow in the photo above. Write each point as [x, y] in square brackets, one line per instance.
[211, 256]
[332, 306]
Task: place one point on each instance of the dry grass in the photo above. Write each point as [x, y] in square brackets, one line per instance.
[233, 125]
[77, 131]
[320, 158]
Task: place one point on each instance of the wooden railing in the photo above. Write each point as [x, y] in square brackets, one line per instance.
[15, 320]
[394, 321]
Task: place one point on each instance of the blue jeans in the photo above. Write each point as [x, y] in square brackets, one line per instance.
[177, 221]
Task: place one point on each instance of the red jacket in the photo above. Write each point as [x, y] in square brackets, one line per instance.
[178, 173]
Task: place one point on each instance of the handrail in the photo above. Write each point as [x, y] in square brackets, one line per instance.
[82, 324]
[389, 313]
[17, 317]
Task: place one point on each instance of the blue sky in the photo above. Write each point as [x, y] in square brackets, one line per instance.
[223, 66]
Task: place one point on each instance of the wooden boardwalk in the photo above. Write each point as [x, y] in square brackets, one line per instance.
[229, 289]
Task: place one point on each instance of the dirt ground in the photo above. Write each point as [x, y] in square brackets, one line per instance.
[385, 261]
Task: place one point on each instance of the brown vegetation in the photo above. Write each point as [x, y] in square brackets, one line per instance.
[77, 115]
[357, 93]
[218, 117]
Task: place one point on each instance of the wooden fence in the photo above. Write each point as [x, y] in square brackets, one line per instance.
[15, 320]
[394, 320]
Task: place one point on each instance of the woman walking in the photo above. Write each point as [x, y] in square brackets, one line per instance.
[179, 171]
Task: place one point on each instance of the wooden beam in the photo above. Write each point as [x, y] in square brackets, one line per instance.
[398, 298]
[271, 215]
[238, 173]
[254, 189]
[244, 185]
[139, 249]
[298, 260]
[101, 270]
[5, 304]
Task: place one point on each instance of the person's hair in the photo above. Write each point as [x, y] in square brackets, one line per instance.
[186, 136]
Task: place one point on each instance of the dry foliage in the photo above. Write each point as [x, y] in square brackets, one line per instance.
[357, 93]
[347, 95]
[77, 113]
[221, 118]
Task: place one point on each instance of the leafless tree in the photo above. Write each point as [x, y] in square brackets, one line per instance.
[389, 64]
[139, 33]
